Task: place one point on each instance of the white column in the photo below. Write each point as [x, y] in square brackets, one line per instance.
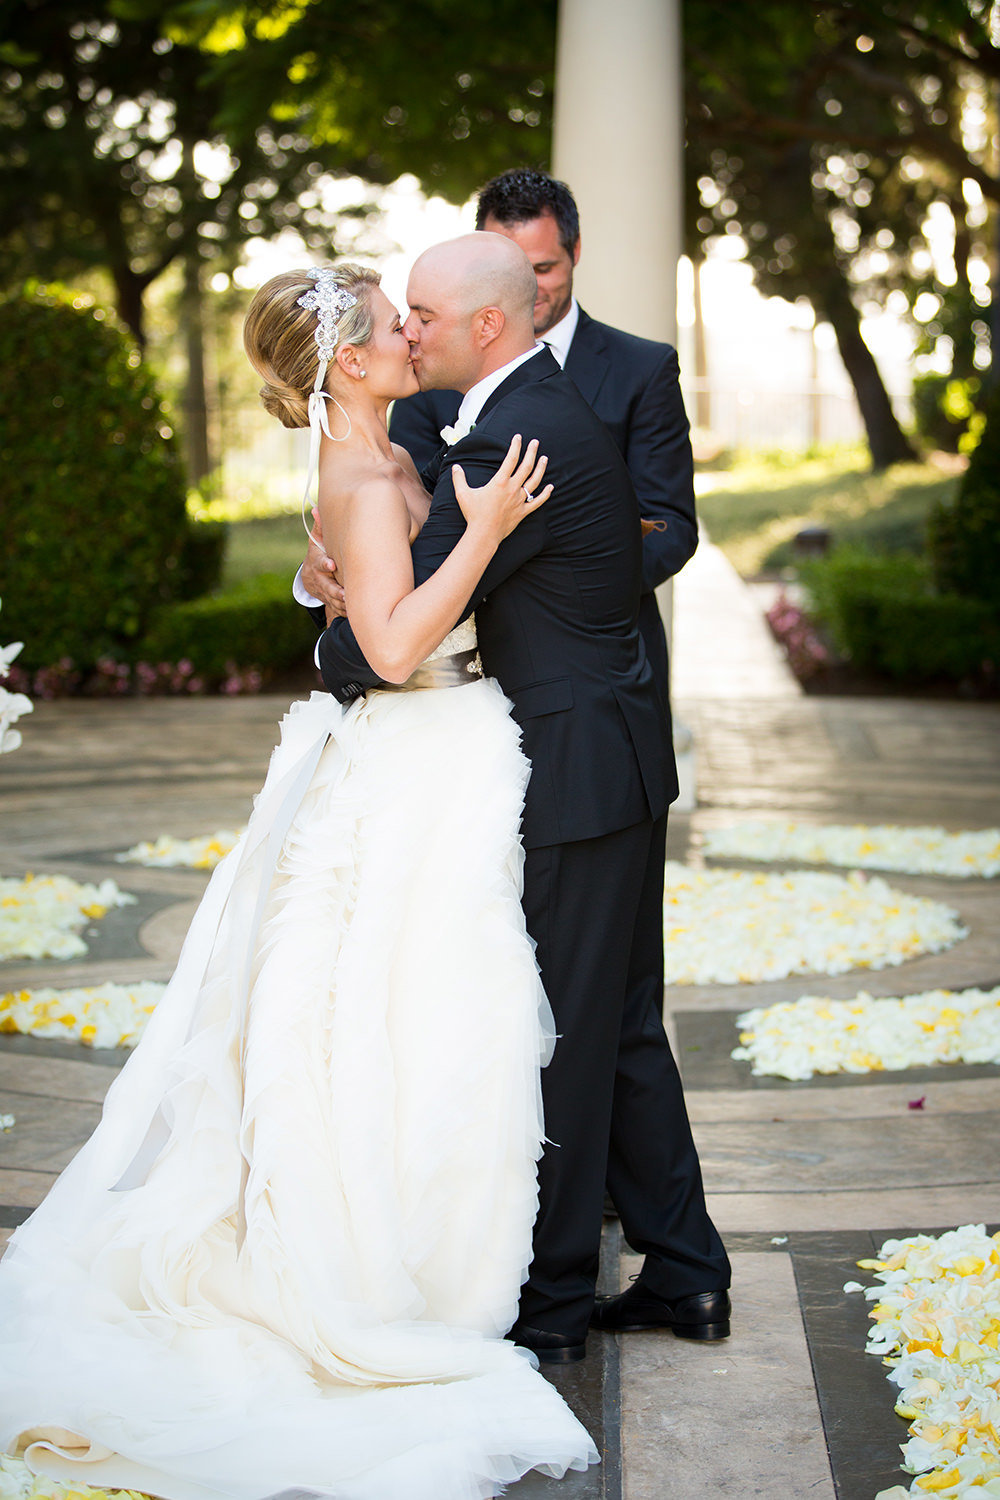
[618, 141]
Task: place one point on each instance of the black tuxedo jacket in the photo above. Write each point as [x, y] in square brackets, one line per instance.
[557, 615]
[632, 385]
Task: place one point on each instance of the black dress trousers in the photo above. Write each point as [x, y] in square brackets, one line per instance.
[612, 1077]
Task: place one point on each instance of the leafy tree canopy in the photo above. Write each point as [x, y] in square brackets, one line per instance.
[828, 136]
[137, 132]
[450, 90]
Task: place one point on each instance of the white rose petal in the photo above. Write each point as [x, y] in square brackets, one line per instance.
[937, 1315]
[105, 1015]
[735, 927]
[13, 706]
[17, 1482]
[42, 916]
[913, 851]
[797, 1039]
[166, 852]
[7, 655]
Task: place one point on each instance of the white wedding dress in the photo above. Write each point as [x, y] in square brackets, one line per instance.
[286, 1259]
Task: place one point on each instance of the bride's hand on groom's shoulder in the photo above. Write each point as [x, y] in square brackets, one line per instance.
[510, 495]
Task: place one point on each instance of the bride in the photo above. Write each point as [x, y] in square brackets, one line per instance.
[286, 1259]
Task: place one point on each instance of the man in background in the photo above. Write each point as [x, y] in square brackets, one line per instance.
[631, 383]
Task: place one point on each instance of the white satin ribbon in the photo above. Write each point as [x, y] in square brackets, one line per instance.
[318, 424]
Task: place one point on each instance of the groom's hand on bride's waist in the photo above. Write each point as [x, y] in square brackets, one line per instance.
[318, 574]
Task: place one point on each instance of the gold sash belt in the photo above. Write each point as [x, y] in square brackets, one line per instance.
[446, 671]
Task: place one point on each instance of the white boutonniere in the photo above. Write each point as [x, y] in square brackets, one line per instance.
[452, 435]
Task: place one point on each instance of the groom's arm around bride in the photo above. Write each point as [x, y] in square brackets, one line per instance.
[556, 616]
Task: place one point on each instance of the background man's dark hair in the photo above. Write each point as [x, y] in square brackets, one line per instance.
[522, 194]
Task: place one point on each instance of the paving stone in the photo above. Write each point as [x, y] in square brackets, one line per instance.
[831, 1155]
[737, 1418]
[53, 1077]
[862, 1431]
[24, 1189]
[745, 660]
[905, 1208]
[44, 1139]
[870, 1097]
[803, 1162]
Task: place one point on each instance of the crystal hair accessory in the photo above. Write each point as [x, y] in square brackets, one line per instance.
[329, 301]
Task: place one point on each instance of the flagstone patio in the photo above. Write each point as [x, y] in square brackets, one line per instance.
[803, 1178]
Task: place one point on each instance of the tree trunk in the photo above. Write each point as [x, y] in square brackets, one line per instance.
[128, 301]
[886, 439]
[821, 279]
[196, 444]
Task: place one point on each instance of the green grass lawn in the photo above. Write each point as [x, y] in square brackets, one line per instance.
[274, 544]
[753, 510]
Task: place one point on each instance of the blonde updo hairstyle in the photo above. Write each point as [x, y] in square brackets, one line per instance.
[279, 337]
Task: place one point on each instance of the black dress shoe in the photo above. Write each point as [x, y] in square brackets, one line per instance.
[704, 1315]
[551, 1348]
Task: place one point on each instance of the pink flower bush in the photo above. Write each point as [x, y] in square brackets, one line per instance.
[109, 678]
[795, 631]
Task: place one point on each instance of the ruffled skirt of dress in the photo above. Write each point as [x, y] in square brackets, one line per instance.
[287, 1256]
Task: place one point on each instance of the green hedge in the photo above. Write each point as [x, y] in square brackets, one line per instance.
[256, 623]
[93, 524]
[943, 408]
[885, 616]
[964, 536]
[199, 566]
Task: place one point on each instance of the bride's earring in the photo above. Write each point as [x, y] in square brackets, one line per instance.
[362, 374]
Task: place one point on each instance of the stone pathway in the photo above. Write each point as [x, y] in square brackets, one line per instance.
[802, 1178]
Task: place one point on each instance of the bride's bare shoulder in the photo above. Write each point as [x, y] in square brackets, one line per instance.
[405, 461]
[381, 489]
[374, 499]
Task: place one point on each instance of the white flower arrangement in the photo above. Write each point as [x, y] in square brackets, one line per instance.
[797, 1039]
[737, 927]
[42, 916]
[13, 706]
[103, 1015]
[166, 852]
[937, 1323]
[7, 1122]
[910, 851]
[17, 1482]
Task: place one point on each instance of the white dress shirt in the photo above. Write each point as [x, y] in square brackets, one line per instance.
[475, 399]
[560, 335]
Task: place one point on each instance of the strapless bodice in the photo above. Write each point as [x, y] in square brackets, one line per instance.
[462, 638]
[455, 663]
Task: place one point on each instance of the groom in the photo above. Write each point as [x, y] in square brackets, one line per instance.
[557, 622]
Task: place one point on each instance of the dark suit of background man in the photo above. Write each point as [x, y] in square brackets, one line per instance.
[632, 385]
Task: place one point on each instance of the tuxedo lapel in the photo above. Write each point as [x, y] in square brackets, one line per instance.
[588, 362]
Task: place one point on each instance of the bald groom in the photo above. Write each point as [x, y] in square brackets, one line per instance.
[557, 620]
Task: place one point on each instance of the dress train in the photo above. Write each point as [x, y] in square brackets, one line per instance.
[286, 1259]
